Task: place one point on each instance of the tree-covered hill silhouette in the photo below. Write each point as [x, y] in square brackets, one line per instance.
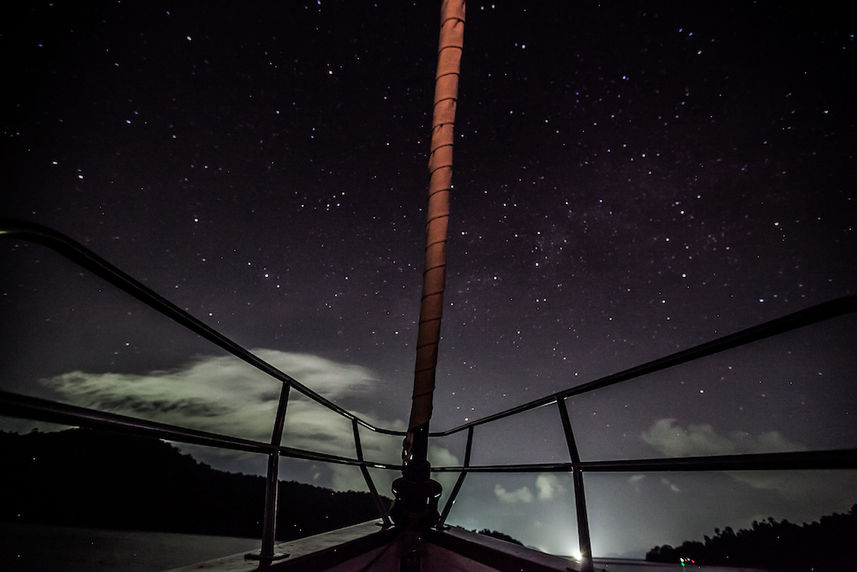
[500, 535]
[98, 479]
[827, 544]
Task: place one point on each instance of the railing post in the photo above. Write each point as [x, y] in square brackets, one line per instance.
[584, 543]
[382, 510]
[451, 500]
[269, 523]
[272, 485]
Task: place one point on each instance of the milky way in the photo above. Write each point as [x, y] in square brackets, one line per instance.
[629, 181]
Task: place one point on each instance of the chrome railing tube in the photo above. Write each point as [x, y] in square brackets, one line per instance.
[584, 543]
[382, 510]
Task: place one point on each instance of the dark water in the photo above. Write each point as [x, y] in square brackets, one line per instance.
[37, 547]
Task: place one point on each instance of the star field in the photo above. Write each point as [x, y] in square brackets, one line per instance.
[629, 181]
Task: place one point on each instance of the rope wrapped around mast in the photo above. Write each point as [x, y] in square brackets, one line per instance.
[450, 46]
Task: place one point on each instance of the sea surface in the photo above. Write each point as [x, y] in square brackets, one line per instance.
[39, 547]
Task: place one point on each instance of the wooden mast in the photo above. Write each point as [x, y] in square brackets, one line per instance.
[450, 45]
[416, 495]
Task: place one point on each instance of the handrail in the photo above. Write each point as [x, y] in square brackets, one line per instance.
[39, 409]
[808, 316]
[17, 405]
[789, 460]
[76, 252]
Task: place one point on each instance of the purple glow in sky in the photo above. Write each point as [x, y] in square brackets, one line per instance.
[629, 181]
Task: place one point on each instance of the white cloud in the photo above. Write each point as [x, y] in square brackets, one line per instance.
[670, 485]
[773, 442]
[797, 487]
[523, 494]
[441, 457]
[548, 486]
[222, 394]
[635, 481]
[214, 393]
[674, 440]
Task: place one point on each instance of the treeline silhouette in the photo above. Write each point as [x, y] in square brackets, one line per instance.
[98, 479]
[828, 544]
[498, 534]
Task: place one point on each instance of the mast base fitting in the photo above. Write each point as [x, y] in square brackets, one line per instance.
[415, 504]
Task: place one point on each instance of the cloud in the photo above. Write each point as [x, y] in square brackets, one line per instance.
[215, 393]
[441, 457]
[635, 481]
[523, 494]
[674, 440]
[670, 485]
[797, 487]
[548, 486]
[222, 394]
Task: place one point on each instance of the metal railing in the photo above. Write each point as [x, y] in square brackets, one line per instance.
[17, 405]
[827, 459]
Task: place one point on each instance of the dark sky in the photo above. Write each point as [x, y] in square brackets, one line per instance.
[630, 179]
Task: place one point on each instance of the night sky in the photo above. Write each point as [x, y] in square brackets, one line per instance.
[630, 180]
